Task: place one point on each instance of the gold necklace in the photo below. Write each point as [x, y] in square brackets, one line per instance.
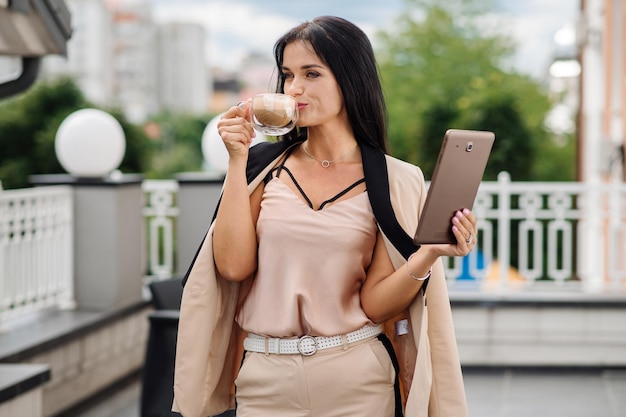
[325, 162]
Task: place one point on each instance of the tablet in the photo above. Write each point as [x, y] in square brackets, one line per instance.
[459, 170]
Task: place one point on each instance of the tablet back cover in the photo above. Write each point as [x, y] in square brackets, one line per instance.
[459, 170]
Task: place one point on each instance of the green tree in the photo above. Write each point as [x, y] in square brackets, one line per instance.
[178, 145]
[28, 126]
[25, 121]
[139, 151]
[443, 67]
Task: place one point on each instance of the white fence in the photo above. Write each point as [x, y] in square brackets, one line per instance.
[533, 237]
[160, 213]
[555, 235]
[36, 239]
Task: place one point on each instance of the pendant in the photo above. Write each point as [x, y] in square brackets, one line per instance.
[325, 163]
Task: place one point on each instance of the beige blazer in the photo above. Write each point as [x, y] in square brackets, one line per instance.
[209, 349]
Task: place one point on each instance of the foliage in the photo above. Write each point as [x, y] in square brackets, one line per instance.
[177, 146]
[29, 122]
[443, 69]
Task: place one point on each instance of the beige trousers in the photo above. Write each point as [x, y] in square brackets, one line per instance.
[355, 382]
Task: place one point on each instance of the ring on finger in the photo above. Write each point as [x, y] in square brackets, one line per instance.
[469, 239]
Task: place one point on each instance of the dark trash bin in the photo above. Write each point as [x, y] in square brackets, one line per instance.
[157, 391]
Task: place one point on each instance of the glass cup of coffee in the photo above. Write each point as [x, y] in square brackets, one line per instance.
[272, 114]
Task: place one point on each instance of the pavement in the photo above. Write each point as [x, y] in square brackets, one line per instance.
[490, 393]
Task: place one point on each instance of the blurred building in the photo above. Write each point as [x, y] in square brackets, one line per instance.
[257, 75]
[564, 83]
[90, 51]
[226, 90]
[119, 57]
[602, 122]
[602, 41]
[185, 85]
[134, 62]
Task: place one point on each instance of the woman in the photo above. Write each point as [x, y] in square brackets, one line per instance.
[310, 254]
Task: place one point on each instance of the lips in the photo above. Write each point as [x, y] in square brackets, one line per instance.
[301, 106]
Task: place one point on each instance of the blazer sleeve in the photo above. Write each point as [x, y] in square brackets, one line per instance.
[436, 387]
[208, 347]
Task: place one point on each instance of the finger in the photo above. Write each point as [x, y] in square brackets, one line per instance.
[466, 218]
[466, 222]
[236, 134]
[472, 227]
[461, 223]
[469, 216]
[235, 111]
[245, 105]
[462, 247]
[234, 125]
[460, 235]
[465, 236]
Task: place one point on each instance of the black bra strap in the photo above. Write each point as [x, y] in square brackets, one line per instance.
[282, 167]
[297, 185]
[282, 163]
[269, 176]
[341, 194]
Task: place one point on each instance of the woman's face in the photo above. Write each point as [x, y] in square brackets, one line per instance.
[311, 82]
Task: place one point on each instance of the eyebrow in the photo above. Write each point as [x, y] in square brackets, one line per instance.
[304, 67]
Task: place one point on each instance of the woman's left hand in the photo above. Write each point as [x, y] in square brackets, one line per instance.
[464, 229]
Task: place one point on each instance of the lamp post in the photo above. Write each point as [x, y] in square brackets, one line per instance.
[109, 237]
[90, 144]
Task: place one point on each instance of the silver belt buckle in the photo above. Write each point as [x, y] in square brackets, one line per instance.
[307, 345]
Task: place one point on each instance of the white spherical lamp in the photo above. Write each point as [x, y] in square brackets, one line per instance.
[90, 143]
[213, 149]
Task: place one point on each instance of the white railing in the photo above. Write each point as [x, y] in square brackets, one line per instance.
[160, 213]
[533, 236]
[546, 235]
[36, 250]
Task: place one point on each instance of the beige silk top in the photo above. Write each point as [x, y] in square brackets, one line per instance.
[312, 264]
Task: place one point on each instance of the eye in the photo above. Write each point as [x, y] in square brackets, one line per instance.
[312, 74]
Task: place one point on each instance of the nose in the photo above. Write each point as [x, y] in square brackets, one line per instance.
[293, 88]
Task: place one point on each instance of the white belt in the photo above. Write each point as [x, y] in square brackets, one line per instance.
[306, 345]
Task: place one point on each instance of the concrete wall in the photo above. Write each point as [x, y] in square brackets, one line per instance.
[87, 364]
[29, 404]
[541, 334]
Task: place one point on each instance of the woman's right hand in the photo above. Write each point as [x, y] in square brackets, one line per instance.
[234, 234]
[236, 131]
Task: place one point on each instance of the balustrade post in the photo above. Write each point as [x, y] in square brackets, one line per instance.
[591, 245]
[109, 247]
[617, 233]
[198, 195]
[504, 227]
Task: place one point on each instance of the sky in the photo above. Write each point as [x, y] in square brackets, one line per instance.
[236, 28]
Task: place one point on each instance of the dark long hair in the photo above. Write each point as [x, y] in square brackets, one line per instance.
[348, 53]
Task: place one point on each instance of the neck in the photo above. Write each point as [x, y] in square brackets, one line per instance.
[329, 151]
[329, 146]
